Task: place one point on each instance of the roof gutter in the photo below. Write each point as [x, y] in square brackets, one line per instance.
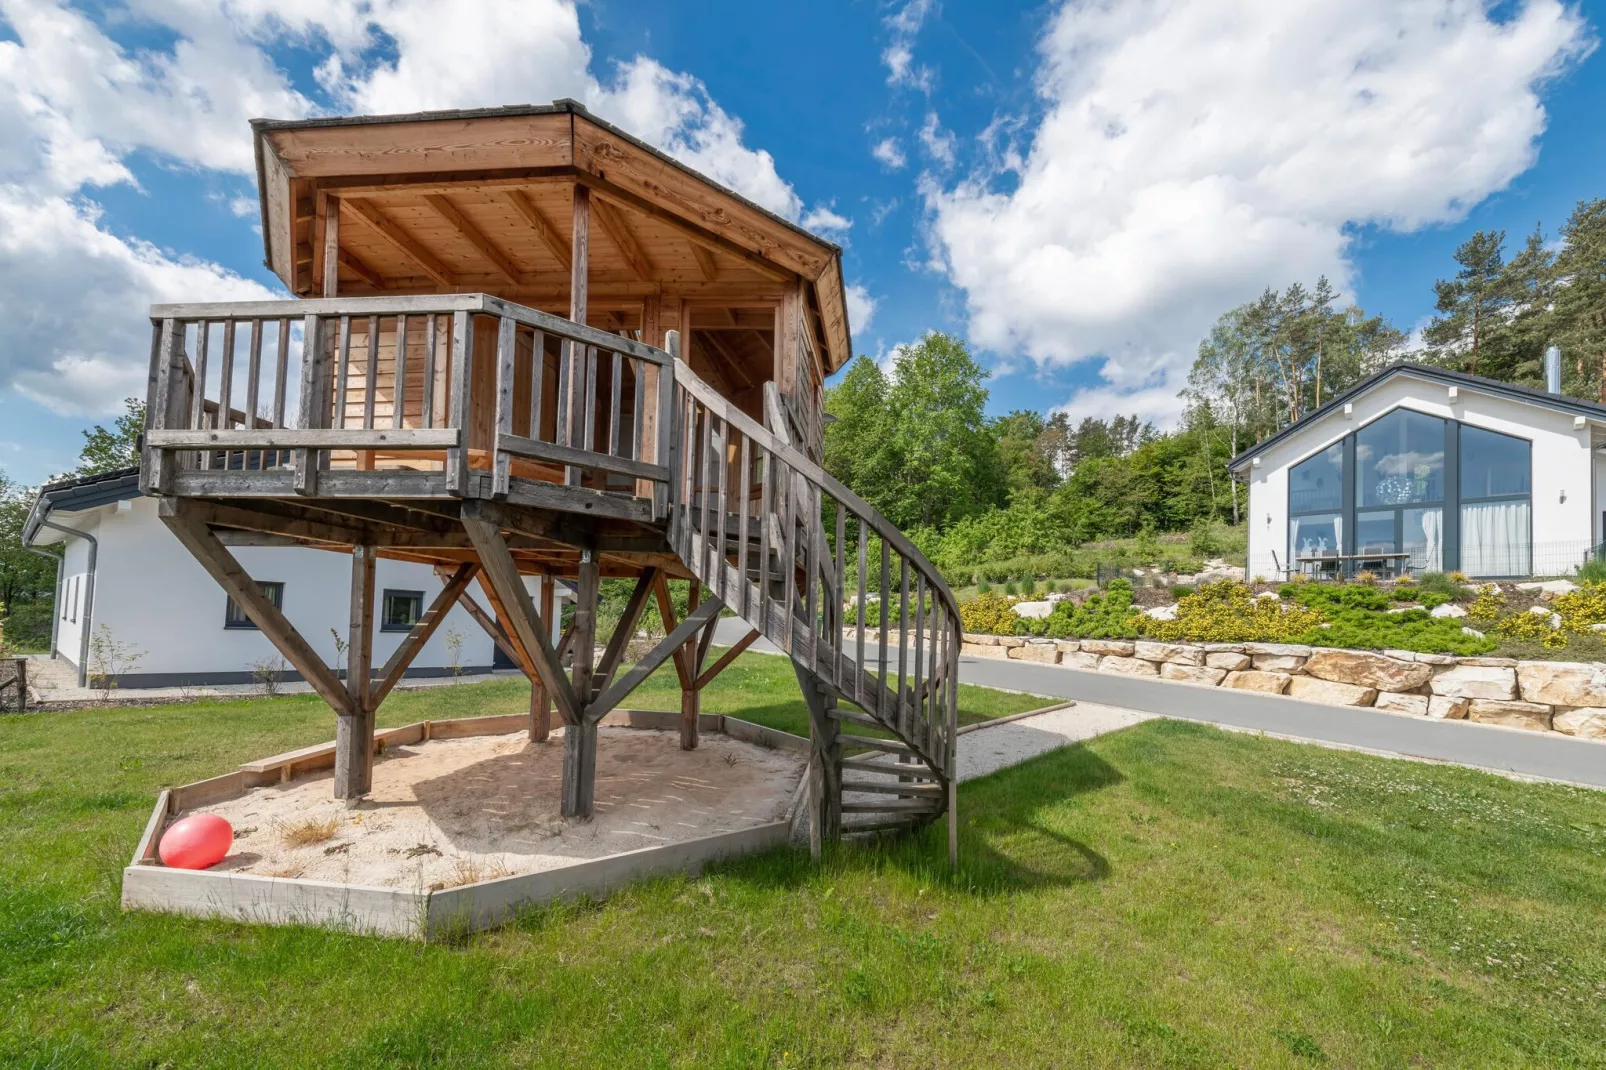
[89, 598]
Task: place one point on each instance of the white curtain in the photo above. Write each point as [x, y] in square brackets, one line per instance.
[1432, 554]
[1495, 539]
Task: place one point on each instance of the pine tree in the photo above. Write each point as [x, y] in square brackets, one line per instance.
[1470, 305]
[1580, 295]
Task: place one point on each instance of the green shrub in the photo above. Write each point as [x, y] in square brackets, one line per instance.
[1487, 607]
[1028, 586]
[982, 586]
[1445, 584]
[1208, 537]
[1228, 612]
[1110, 615]
[1414, 629]
[1010, 589]
[1180, 591]
[1336, 597]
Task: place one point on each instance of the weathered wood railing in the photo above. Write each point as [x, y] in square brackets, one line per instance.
[755, 518]
[439, 394]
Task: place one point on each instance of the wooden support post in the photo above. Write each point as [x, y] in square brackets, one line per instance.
[825, 764]
[580, 739]
[540, 698]
[354, 728]
[690, 705]
[576, 359]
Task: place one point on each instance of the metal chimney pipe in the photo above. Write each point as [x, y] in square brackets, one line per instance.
[1553, 369]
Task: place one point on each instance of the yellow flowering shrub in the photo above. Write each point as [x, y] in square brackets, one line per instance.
[988, 614]
[1583, 607]
[1485, 609]
[1227, 612]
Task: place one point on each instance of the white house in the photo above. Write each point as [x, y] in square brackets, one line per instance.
[1429, 469]
[123, 575]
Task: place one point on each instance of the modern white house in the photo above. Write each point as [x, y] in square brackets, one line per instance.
[124, 576]
[1424, 469]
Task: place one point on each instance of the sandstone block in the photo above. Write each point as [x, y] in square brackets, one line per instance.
[1586, 722]
[1121, 665]
[1330, 692]
[1011, 640]
[1191, 674]
[1493, 663]
[1163, 652]
[1068, 646]
[1296, 650]
[1118, 647]
[1361, 668]
[1033, 610]
[1448, 609]
[1078, 659]
[981, 640]
[1228, 660]
[1043, 653]
[1562, 683]
[1416, 705]
[1446, 708]
[1223, 648]
[1275, 683]
[1476, 681]
[1278, 662]
[984, 650]
[1534, 716]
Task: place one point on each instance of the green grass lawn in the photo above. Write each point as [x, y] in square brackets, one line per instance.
[1166, 896]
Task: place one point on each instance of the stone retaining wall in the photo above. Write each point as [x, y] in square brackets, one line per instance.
[1541, 696]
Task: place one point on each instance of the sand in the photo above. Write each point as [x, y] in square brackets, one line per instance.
[449, 812]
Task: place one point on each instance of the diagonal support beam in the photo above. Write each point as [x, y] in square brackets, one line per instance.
[421, 632]
[725, 659]
[666, 610]
[621, 688]
[187, 522]
[620, 639]
[503, 576]
[485, 621]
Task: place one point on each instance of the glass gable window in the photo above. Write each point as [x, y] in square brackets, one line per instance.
[234, 616]
[1317, 485]
[400, 610]
[1399, 460]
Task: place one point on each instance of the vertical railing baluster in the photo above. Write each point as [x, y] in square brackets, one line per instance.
[812, 530]
[427, 396]
[859, 612]
[744, 484]
[565, 406]
[281, 372]
[722, 464]
[253, 371]
[312, 405]
[919, 649]
[458, 400]
[783, 486]
[506, 348]
[765, 508]
[705, 488]
[203, 339]
[638, 414]
[370, 376]
[666, 405]
[615, 404]
[587, 417]
[840, 593]
[225, 399]
[342, 371]
[903, 641]
[933, 723]
[885, 602]
[398, 386]
[537, 380]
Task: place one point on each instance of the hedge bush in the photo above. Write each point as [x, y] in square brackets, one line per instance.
[1228, 612]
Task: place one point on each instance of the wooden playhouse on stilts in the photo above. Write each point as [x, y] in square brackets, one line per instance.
[526, 344]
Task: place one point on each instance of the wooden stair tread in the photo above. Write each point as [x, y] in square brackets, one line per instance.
[894, 806]
[919, 770]
[892, 787]
[891, 746]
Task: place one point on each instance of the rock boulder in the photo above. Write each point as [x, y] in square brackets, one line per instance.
[1121, 665]
[1191, 674]
[1416, 705]
[1562, 683]
[1275, 683]
[1360, 668]
[1586, 722]
[1331, 692]
[1476, 681]
[1533, 716]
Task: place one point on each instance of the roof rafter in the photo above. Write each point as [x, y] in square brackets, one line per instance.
[382, 225]
[555, 242]
[618, 230]
[367, 274]
[705, 262]
[473, 235]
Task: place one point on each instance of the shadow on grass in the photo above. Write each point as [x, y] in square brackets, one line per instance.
[1010, 837]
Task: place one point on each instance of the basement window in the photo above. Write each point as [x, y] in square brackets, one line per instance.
[234, 616]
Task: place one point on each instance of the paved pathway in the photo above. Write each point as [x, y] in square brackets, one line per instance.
[1504, 750]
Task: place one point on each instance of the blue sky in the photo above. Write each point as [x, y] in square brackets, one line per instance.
[1077, 190]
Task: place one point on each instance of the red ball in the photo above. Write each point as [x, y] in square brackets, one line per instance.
[196, 842]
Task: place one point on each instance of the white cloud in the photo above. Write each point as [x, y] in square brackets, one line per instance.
[824, 219]
[861, 308]
[1192, 153]
[889, 153]
[941, 145]
[903, 26]
[75, 104]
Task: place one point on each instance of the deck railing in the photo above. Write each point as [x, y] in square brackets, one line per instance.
[440, 394]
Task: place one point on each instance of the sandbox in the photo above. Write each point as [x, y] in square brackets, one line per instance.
[462, 829]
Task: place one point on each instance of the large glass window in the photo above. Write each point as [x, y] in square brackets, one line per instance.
[1422, 536]
[1374, 533]
[234, 616]
[1399, 460]
[1317, 484]
[1496, 522]
[1494, 465]
[1314, 536]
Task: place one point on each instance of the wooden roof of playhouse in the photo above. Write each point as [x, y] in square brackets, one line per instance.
[480, 201]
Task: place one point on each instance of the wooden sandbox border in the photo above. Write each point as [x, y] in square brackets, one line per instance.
[148, 885]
